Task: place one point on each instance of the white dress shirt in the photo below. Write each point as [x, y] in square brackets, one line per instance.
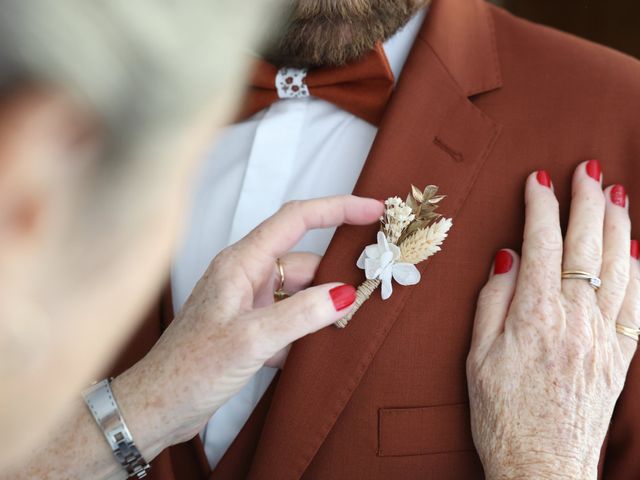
[296, 149]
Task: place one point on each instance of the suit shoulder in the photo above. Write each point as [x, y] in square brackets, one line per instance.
[574, 62]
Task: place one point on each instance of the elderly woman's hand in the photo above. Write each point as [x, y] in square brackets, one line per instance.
[230, 326]
[546, 364]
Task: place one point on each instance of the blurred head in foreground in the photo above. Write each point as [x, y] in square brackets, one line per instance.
[104, 106]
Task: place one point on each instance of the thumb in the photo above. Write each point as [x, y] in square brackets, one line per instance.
[305, 312]
[493, 304]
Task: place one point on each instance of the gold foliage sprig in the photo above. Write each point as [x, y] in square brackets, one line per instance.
[424, 204]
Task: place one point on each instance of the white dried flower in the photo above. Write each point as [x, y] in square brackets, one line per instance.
[397, 216]
[381, 261]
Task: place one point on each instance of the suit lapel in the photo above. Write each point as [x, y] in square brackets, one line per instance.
[431, 134]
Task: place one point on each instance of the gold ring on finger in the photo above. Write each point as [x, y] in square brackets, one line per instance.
[280, 294]
[593, 280]
[633, 333]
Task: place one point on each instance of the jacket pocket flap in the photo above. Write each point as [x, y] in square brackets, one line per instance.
[424, 430]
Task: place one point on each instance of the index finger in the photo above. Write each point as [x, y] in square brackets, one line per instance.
[282, 231]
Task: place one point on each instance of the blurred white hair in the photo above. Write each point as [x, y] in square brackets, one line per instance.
[139, 63]
[144, 66]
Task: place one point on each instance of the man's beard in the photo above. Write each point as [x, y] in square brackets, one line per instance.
[318, 33]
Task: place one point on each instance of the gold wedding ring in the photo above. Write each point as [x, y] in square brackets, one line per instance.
[593, 280]
[280, 294]
[633, 333]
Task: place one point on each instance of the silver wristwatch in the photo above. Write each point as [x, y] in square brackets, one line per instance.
[104, 408]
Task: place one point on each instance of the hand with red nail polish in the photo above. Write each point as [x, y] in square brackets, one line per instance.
[232, 324]
[546, 365]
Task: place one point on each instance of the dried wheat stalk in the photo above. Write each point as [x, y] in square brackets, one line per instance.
[425, 242]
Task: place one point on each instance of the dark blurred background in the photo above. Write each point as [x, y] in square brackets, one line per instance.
[615, 23]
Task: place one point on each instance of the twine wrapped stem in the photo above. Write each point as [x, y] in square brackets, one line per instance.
[364, 291]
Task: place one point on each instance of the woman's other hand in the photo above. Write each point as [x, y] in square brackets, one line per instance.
[230, 326]
[546, 364]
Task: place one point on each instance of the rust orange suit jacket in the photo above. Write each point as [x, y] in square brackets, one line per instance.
[484, 99]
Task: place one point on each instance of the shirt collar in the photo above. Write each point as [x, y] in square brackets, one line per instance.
[398, 46]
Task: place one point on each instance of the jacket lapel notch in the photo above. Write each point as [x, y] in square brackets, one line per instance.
[462, 35]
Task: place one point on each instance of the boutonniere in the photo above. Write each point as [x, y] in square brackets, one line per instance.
[410, 232]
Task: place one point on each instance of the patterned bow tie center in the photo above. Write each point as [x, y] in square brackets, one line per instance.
[290, 83]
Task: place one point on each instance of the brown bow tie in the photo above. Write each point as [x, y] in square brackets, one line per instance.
[362, 88]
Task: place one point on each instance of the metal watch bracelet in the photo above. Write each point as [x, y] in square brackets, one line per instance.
[104, 408]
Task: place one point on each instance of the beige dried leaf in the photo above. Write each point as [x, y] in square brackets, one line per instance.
[411, 201]
[425, 242]
[417, 194]
[429, 191]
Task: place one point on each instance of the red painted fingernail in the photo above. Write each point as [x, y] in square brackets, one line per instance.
[342, 296]
[635, 249]
[543, 178]
[618, 195]
[503, 262]
[594, 170]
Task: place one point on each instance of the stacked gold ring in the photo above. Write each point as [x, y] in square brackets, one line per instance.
[633, 333]
[596, 283]
[593, 280]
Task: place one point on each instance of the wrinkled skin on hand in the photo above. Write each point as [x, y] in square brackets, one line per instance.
[230, 326]
[546, 364]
